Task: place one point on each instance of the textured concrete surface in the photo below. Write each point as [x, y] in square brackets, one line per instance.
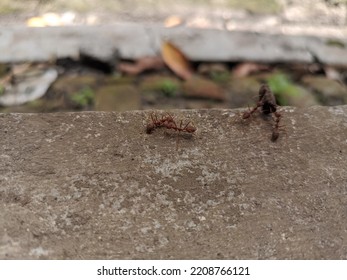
[96, 186]
[138, 40]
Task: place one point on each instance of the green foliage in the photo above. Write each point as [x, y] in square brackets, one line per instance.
[282, 87]
[257, 6]
[84, 97]
[2, 90]
[11, 6]
[335, 43]
[168, 87]
[220, 77]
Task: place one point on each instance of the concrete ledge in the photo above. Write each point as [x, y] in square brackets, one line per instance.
[136, 40]
[94, 185]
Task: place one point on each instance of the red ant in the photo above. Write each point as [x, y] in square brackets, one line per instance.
[267, 102]
[168, 122]
[275, 132]
[163, 122]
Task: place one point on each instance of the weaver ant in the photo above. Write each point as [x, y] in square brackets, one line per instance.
[156, 123]
[168, 122]
[267, 103]
[275, 132]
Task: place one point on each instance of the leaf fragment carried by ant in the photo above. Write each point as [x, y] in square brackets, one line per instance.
[268, 106]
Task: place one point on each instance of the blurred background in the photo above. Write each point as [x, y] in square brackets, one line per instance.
[171, 77]
[227, 14]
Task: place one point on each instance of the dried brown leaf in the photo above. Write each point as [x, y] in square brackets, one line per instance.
[247, 68]
[129, 68]
[332, 73]
[173, 21]
[142, 64]
[198, 87]
[176, 61]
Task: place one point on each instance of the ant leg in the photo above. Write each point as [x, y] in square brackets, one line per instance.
[248, 113]
[172, 124]
[177, 137]
[151, 126]
[277, 127]
[169, 118]
[157, 121]
[184, 128]
[275, 134]
[189, 127]
[154, 118]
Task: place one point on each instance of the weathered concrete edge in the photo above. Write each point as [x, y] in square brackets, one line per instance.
[339, 110]
[137, 40]
[319, 196]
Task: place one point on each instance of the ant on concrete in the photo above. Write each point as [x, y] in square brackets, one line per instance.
[267, 103]
[168, 122]
[275, 132]
[156, 123]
